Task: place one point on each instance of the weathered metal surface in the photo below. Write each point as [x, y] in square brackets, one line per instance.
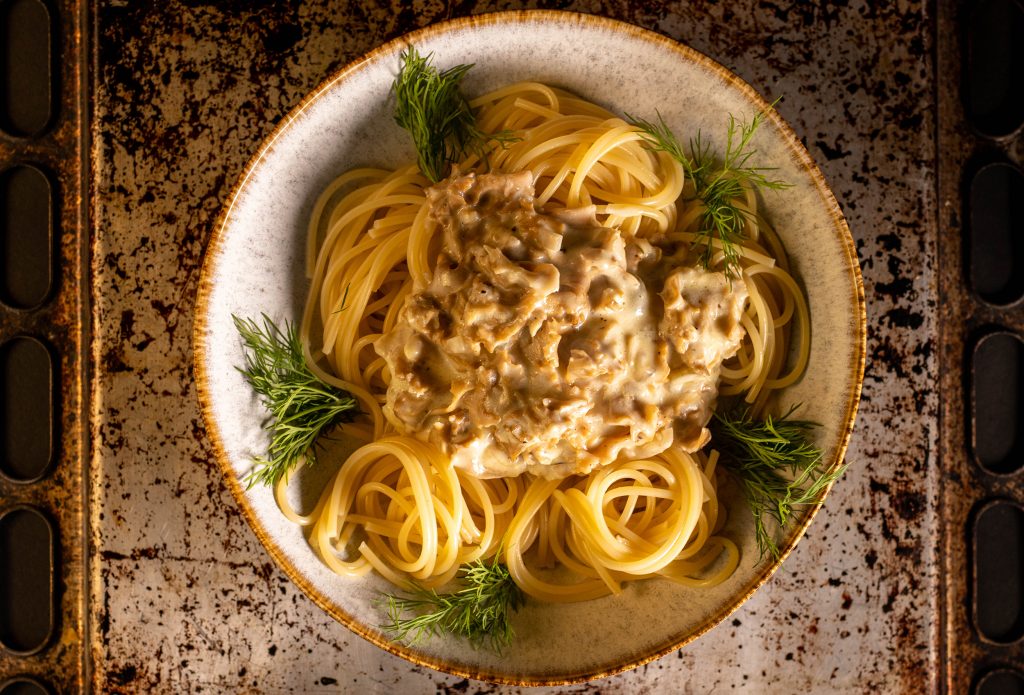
[184, 597]
[60, 324]
[966, 486]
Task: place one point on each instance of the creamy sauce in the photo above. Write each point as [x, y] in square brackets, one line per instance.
[547, 344]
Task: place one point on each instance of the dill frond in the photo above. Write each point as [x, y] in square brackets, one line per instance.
[430, 105]
[301, 406]
[720, 185]
[756, 453]
[479, 612]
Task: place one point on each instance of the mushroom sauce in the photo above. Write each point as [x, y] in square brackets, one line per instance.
[545, 343]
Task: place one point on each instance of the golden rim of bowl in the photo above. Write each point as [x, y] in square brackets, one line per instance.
[391, 49]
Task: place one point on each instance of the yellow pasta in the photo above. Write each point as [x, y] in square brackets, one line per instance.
[397, 506]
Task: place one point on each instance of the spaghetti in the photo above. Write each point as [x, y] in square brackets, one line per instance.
[397, 505]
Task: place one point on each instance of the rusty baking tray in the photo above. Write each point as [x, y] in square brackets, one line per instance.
[44, 238]
[124, 564]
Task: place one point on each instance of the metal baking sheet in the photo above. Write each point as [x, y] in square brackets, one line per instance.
[164, 587]
[183, 596]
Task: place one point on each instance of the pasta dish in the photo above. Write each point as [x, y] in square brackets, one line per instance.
[537, 344]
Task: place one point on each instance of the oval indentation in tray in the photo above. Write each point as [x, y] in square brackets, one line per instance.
[27, 601]
[26, 66]
[1001, 682]
[27, 236]
[999, 572]
[994, 100]
[997, 402]
[23, 685]
[996, 233]
[28, 409]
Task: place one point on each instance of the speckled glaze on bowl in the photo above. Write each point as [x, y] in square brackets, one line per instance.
[254, 264]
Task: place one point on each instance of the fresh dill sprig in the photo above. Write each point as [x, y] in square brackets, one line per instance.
[720, 185]
[301, 406]
[757, 452]
[430, 105]
[480, 611]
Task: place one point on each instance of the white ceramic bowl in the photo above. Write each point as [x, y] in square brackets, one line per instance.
[254, 264]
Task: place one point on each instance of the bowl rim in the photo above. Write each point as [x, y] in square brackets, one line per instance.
[521, 17]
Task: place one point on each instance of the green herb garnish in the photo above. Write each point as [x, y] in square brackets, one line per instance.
[479, 612]
[720, 186]
[344, 300]
[756, 453]
[301, 406]
[429, 104]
